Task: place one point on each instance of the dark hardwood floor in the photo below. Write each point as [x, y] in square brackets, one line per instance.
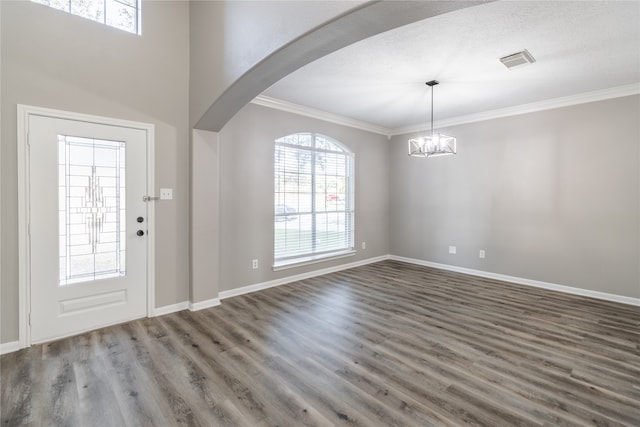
[385, 344]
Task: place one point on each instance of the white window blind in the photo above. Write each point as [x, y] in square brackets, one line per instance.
[314, 200]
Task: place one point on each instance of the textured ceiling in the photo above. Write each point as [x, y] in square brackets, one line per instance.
[578, 46]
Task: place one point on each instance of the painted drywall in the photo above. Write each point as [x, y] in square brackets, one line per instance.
[223, 49]
[550, 196]
[56, 60]
[239, 49]
[246, 147]
[205, 217]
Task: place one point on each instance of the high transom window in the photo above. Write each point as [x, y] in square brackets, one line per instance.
[122, 14]
[314, 200]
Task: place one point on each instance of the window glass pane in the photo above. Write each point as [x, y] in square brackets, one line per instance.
[121, 16]
[56, 4]
[312, 200]
[91, 209]
[90, 9]
[324, 143]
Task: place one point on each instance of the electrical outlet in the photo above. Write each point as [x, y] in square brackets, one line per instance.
[254, 264]
[452, 250]
[481, 253]
[364, 245]
[166, 194]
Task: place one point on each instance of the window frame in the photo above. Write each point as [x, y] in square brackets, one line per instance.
[298, 259]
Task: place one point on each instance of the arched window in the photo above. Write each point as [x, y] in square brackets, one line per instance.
[314, 200]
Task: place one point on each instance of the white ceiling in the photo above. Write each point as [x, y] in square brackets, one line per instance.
[578, 46]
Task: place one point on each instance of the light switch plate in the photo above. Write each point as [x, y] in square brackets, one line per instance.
[166, 194]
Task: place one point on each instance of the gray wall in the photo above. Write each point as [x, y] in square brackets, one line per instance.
[223, 49]
[205, 216]
[52, 59]
[246, 192]
[551, 196]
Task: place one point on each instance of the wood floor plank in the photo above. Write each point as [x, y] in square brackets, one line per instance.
[19, 375]
[58, 379]
[384, 344]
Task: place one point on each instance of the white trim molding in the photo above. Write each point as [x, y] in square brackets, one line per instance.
[314, 260]
[24, 273]
[289, 279]
[171, 308]
[185, 305]
[201, 305]
[10, 347]
[549, 104]
[522, 281]
[301, 110]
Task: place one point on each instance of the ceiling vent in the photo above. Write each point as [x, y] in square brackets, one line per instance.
[517, 59]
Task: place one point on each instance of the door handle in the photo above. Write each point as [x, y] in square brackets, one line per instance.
[140, 233]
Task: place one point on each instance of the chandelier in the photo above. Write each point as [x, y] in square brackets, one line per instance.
[435, 144]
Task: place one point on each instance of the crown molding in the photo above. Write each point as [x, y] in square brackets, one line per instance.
[566, 101]
[301, 110]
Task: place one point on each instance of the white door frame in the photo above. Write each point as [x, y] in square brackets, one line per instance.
[24, 250]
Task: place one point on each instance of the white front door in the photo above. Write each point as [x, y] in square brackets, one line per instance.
[88, 225]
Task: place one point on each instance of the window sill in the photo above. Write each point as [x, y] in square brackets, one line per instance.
[312, 260]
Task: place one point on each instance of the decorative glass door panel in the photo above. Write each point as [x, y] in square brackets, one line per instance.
[91, 183]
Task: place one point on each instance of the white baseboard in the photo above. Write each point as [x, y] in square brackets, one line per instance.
[10, 347]
[277, 282]
[168, 309]
[201, 305]
[186, 305]
[522, 281]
